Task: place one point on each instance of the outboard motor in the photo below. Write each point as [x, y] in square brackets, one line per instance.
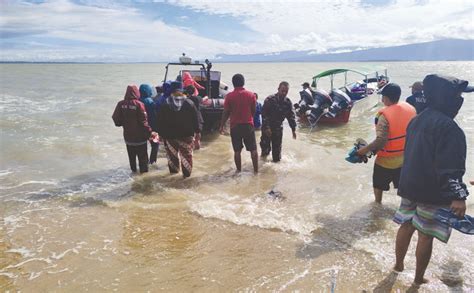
[340, 101]
[322, 100]
[306, 100]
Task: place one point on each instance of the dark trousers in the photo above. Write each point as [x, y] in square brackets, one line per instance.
[154, 151]
[139, 151]
[272, 144]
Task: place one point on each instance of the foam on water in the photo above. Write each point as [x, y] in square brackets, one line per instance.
[257, 211]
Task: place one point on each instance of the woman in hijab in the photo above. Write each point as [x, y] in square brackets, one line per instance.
[177, 123]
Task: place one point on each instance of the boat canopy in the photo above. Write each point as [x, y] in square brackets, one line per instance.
[366, 71]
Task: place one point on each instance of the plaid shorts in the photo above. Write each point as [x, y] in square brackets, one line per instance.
[422, 218]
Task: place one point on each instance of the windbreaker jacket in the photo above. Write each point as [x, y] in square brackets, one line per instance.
[435, 150]
[131, 115]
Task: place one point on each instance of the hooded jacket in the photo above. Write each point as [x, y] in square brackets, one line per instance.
[131, 115]
[188, 80]
[146, 94]
[435, 150]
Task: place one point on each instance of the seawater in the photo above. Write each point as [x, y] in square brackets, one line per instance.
[73, 217]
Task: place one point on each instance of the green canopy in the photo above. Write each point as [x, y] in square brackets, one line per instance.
[362, 70]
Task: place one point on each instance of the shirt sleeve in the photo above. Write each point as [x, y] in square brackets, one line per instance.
[381, 131]
[266, 109]
[290, 116]
[450, 160]
[117, 115]
[142, 117]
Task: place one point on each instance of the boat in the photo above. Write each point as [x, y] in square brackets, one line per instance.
[334, 107]
[213, 92]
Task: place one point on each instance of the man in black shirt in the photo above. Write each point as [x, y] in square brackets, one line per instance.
[275, 109]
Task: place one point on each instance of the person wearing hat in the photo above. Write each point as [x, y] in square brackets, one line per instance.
[417, 99]
[431, 176]
[177, 124]
[390, 127]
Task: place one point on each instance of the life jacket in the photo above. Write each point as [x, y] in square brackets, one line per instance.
[398, 117]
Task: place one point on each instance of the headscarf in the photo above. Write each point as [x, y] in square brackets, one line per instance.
[132, 92]
[188, 80]
[145, 91]
[176, 101]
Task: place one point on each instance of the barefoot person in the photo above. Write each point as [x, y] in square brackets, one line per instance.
[431, 176]
[390, 126]
[240, 105]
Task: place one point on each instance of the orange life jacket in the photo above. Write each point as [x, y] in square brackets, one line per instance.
[398, 117]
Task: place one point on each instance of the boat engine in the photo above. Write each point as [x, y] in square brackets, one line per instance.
[340, 101]
[322, 101]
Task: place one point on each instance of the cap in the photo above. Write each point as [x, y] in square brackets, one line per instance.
[176, 86]
[305, 84]
[468, 89]
[391, 90]
[417, 86]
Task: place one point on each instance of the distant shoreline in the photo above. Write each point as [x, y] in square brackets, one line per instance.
[224, 62]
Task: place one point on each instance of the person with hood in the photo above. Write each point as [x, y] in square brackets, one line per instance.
[417, 99]
[431, 176]
[188, 80]
[190, 90]
[390, 127]
[146, 94]
[130, 114]
[177, 123]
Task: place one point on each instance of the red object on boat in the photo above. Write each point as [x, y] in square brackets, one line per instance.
[341, 117]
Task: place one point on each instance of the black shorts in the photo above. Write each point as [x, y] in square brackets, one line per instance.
[245, 133]
[382, 177]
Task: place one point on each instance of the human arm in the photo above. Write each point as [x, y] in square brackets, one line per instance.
[266, 110]
[381, 139]
[117, 115]
[449, 164]
[290, 116]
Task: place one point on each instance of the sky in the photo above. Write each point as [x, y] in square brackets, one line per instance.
[159, 30]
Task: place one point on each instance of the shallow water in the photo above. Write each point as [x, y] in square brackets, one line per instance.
[73, 218]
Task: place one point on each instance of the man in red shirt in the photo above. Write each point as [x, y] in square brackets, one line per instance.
[240, 105]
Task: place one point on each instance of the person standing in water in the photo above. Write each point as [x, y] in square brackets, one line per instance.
[257, 120]
[417, 98]
[177, 123]
[130, 114]
[390, 126]
[240, 105]
[431, 176]
[146, 94]
[190, 90]
[275, 109]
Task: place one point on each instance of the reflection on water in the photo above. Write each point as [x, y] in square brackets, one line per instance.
[73, 217]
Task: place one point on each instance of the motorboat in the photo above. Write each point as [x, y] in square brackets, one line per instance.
[319, 106]
[213, 90]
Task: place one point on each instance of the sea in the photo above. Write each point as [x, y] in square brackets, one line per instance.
[73, 218]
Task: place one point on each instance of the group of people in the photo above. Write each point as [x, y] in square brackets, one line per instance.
[419, 146]
[422, 151]
[173, 119]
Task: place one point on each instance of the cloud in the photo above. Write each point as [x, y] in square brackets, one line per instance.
[118, 31]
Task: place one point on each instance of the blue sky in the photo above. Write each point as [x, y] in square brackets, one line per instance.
[149, 31]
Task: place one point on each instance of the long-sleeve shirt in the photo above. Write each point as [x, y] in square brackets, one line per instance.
[274, 111]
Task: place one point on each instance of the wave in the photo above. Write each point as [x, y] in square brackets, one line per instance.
[259, 211]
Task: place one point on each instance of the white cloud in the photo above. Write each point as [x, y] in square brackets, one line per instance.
[117, 33]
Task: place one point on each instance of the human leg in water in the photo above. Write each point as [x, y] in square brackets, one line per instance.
[277, 137]
[404, 234]
[142, 157]
[424, 248]
[185, 148]
[132, 157]
[171, 147]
